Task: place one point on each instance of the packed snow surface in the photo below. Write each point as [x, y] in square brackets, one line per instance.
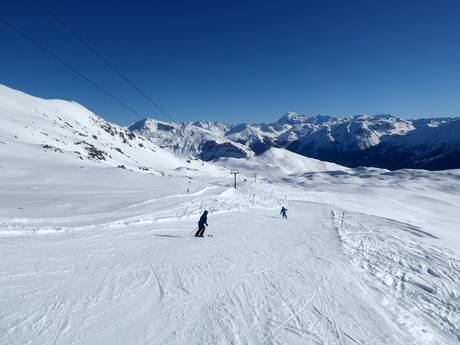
[91, 253]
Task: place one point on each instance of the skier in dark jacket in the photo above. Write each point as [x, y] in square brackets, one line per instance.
[202, 224]
[283, 212]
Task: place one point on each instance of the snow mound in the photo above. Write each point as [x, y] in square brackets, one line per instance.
[277, 162]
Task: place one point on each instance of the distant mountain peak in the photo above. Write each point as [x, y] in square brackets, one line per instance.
[291, 118]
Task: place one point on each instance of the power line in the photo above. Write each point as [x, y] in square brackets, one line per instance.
[73, 69]
[103, 59]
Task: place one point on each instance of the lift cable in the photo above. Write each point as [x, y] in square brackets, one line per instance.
[103, 59]
[73, 69]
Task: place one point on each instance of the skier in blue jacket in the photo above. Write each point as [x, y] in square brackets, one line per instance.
[202, 224]
[283, 212]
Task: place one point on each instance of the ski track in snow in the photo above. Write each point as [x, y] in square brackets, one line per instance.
[135, 275]
[286, 283]
[413, 278]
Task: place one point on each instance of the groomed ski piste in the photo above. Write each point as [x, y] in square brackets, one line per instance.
[101, 251]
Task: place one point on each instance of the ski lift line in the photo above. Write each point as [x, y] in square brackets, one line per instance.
[103, 59]
[234, 172]
[73, 69]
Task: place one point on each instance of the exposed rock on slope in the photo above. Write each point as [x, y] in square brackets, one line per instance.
[75, 132]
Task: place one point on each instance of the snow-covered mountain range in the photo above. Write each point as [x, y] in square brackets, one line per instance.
[201, 140]
[382, 141]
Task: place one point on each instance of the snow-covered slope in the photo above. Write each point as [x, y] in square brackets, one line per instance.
[350, 140]
[277, 163]
[31, 125]
[106, 256]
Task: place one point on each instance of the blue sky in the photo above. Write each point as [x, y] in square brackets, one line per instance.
[242, 61]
